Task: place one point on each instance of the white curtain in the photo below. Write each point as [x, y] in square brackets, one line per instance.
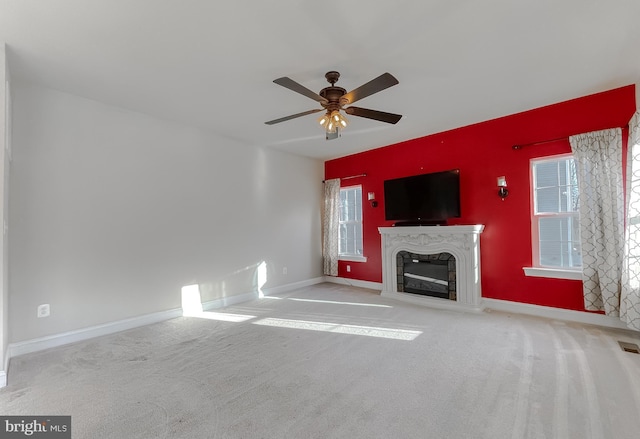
[630, 297]
[330, 226]
[599, 163]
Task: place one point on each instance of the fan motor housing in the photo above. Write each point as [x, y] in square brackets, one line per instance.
[332, 95]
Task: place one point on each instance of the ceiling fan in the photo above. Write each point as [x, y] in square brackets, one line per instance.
[333, 99]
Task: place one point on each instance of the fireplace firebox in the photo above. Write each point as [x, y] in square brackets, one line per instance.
[428, 275]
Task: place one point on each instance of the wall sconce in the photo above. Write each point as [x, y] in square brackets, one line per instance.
[502, 187]
[371, 196]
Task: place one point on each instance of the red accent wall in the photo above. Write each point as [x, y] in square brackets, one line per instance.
[484, 152]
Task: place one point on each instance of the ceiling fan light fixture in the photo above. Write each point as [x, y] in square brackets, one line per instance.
[331, 121]
[338, 119]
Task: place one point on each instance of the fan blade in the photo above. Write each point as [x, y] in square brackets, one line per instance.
[293, 116]
[373, 114]
[382, 82]
[298, 88]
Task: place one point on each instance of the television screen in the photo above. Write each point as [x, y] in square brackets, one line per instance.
[427, 198]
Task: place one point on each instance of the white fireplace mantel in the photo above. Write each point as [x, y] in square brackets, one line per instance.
[463, 242]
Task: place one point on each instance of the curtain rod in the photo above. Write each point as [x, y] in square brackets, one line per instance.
[522, 145]
[351, 176]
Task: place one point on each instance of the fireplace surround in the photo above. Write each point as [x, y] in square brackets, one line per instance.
[460, 242]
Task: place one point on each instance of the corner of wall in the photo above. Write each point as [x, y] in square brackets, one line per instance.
[5, 110]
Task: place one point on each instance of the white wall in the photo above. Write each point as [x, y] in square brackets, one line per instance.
[5, 138]
[113, 212]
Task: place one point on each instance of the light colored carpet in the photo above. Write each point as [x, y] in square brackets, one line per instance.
[362, 367]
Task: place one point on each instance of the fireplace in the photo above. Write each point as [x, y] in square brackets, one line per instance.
[427, 264]
[428, 275]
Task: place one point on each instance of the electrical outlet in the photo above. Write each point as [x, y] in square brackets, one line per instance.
[284, 270]
[44, 310]
[348, 268]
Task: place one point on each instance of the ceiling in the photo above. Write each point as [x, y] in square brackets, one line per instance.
[211, 64]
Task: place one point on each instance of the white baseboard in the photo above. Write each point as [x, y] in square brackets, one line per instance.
[499, 305]
[354, 282]
[52, 341]
[554, 313]
[292, 286]
[228, 301]
[246, 297]
[3, 379]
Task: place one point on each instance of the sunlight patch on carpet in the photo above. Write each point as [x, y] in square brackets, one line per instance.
[223, 316]
[340, 303]
[368, 331]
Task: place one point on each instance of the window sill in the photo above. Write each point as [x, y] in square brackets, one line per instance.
[352, 258]
[556, 273]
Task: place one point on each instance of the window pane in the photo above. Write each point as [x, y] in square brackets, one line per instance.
[351, 238]
[564, 230]
[547, 200]
[575, 255]
[348, 238]
[565, 199]
[343, 239]
[556, 186]
[546, 174]
[350, 231]
[353, 207]
[550, 229]
[560, 241]
[349, 208]
[563, 168]
[352, 245]
[550, 254]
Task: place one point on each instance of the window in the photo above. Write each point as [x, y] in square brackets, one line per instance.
[350, 234]
[555, 222]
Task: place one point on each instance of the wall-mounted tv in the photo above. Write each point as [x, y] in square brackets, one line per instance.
[423, 199]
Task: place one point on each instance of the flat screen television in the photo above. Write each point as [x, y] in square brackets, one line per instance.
[423, 199]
